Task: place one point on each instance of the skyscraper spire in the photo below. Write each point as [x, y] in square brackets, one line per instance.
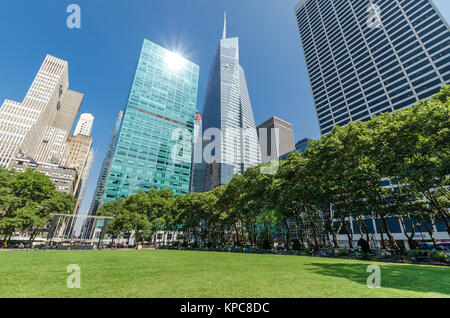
[224, 36]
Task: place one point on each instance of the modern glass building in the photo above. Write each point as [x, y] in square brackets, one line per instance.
[300, 147]
[155, 140]
[227, 108]
[365, 57]
[104, 171]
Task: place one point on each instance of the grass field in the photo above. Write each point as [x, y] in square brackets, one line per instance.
[180, 274]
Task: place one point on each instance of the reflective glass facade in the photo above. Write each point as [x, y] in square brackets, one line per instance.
[227, 107]
[104, 172]
[155, 141]
[365, 57]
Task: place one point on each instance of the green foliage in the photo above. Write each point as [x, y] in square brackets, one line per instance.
[26, 201]
[343, 170]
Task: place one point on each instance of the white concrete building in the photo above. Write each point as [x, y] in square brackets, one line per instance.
[26, 127]
[84, 125]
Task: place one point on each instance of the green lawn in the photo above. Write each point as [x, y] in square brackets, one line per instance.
[165, 273]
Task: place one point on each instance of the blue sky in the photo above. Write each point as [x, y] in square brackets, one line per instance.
[102, 55]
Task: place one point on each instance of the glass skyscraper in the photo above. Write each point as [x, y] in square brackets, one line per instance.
[227, 108]
[104, 172]
[155, 140]
[365, 57]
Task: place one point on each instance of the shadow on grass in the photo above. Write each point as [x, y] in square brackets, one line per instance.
[412, 278]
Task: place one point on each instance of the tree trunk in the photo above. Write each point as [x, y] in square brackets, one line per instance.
[333, 231]
[32, 238]
[389, 234]
[288, 234]
[237, 234]
[443, 212]
[410, 238]
[299, 232]
[349, 232]
[365, 228]
[359, 228]
[429, 230]
[377, 220]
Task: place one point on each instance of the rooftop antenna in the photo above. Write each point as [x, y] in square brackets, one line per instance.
[224, 36]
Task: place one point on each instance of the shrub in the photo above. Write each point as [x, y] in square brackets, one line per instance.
[265, 244]
[296, 246]
[343, 251]
[365, 247]
[438, 256]
[412, 254]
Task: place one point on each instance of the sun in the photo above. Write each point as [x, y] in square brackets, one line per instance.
[174, 61]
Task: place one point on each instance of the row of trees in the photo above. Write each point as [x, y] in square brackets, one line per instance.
[339, 177]
[26, 201]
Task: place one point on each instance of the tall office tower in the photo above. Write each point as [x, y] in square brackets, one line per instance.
[23, 125]
[84, 125]
[106, 166]
[53, 144]
[197, 166]
[155, 140]
[275, 139]
[227, 107]
[370, 56]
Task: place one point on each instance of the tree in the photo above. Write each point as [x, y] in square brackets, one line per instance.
[28, 200]
[268, 218]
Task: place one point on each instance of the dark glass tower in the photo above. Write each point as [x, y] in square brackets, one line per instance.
[365, 57]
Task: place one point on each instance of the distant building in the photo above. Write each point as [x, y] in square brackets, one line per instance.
[366, 57]
[154, 146]
[275, 139]
[65, 179]
[77, 152]
[84, 125]
[300, 147]
[197, 166]
[106, 166]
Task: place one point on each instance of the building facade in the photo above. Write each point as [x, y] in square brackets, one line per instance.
[106, 166]
[53, 144]
[84, 125]
[24, 125]
[300, 147]
[77, 152]
[228, 116]
[65, 179]
[370, 56]
[276, 139]
[198, 166]
[154, 146]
